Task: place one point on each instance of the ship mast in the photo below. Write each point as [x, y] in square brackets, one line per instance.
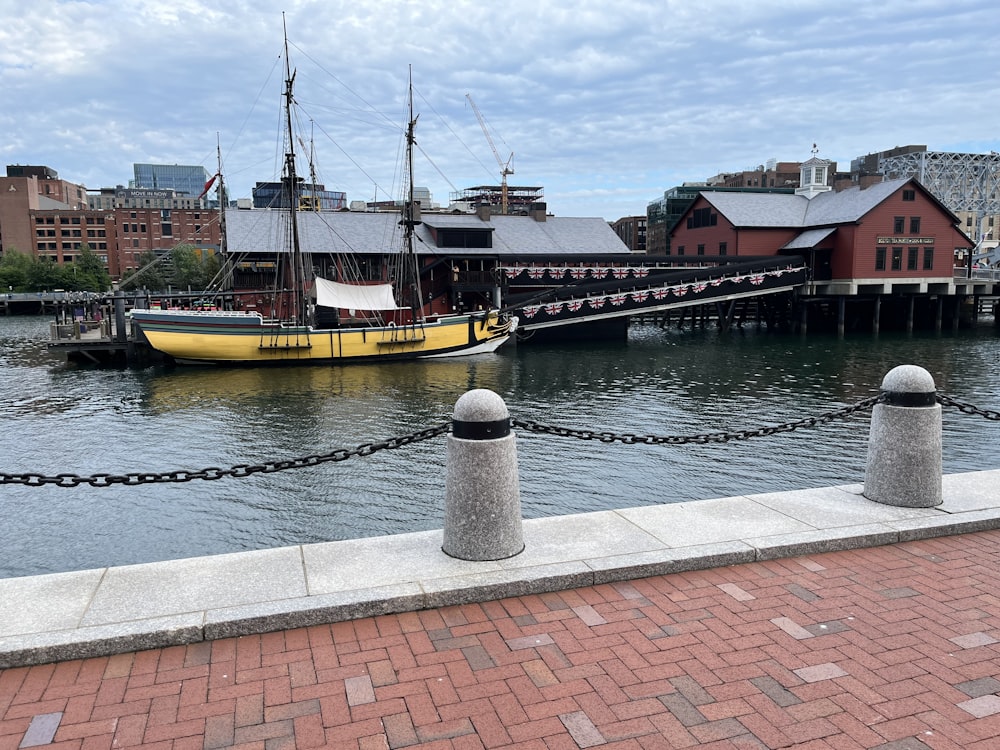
[297, 278]
[411, 212]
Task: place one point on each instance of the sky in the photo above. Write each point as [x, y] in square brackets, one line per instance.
[605, 105]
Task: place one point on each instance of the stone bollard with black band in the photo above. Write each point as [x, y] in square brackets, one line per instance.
[482, 510]
[904, 446]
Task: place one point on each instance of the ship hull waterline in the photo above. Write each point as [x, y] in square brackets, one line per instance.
[246, 338]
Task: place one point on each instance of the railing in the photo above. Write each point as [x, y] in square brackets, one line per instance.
[978, 274]
[81, 330]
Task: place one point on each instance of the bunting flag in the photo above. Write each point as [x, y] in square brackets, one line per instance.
[596, 302]
[736, 279]
[578, 273]
[208, 186]
[757, 279]
[553, 308]
[699, 287]
[529, 312]
[716, 281]
[618, 299]
[679, 291]
[640, 273]
[512, 272]
[574, 304]
[536, 273]
[661, 293]
[641, 296]
[620, 273]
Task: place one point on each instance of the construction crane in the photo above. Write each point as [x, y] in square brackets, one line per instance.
[505, 167]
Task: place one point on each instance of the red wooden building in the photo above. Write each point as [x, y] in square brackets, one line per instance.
[891, 240]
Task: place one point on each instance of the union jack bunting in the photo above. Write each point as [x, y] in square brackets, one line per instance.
[596, 302]
[757, 279]
[574, 304]
[716, 281]
[660, 293]
[620, 273]
[640, 273]
[699, 287]
[736, 279]
[512, 272]
[557, 273]
[679, 291]
[529, 312]
[640, 296]
[618, 299]
[536, 273]
[553, 308]
[578, 273]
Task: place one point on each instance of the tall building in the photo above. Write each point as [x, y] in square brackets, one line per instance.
[272, 195]
[35, 188]
[183, 179]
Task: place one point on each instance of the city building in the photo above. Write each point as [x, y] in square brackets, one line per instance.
[35, 188]
[311, 197]
[182, 179]
[632, 231]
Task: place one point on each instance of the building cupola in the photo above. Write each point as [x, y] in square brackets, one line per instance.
[813, 176]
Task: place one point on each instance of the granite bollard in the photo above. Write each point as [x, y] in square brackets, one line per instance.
[482, 514]
[904, 445]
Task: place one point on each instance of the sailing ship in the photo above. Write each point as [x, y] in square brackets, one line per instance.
[363, 321]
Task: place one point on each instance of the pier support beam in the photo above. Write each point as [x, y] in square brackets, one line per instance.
[841, 314]
[877, 313]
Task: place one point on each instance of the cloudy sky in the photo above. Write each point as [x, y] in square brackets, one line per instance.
[604, 104]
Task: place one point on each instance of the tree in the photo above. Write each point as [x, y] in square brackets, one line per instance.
[149, 276]
[15, 268]
[88, 273]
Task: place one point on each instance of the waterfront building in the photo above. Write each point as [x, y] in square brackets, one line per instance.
[108, 199]
[894, 236]
[312, 197]
[968, 184]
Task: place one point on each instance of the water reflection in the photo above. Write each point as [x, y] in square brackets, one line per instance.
[60, 418]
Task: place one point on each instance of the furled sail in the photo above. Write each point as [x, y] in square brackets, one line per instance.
[355, 296]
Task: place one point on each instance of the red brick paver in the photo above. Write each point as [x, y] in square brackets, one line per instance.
[894, 648]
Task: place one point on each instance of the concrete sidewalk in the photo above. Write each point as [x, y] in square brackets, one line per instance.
[115, 610]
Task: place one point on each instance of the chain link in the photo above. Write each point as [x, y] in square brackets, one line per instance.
[969, 408]
[367, 449]
[704, 439]
[241, 470]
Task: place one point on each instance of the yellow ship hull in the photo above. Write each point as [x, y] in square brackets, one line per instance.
[234, 337]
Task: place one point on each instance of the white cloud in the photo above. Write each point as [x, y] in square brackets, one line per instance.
[605, 105]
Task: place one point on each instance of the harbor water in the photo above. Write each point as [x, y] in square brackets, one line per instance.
[60, 418]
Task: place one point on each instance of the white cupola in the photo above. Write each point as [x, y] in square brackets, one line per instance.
[813, 175]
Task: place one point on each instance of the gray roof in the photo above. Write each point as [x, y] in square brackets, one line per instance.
[264, 231]
[797, 211]
[809, 238]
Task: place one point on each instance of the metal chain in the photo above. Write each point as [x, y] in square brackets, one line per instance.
[242, 470]
[367, 449]
[968, 408]
[713, 437]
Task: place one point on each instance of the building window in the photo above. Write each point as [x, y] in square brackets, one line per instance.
[701, 249]
[879, 258]
[914, 225]
[680, 249]
[897, 259]
[909, 195]
[911, 259]
[897, 224]
[928, 258]
[723, 248]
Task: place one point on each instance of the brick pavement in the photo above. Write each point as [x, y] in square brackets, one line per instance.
[895, 648]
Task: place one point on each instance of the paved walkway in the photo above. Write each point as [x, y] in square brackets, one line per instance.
[812, 619]
[894, 647]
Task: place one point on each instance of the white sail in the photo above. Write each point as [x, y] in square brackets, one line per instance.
[355, 296]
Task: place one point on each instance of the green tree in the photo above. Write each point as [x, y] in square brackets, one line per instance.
[15, 269]
[88, 273]
[45, 275]
[149, 276]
